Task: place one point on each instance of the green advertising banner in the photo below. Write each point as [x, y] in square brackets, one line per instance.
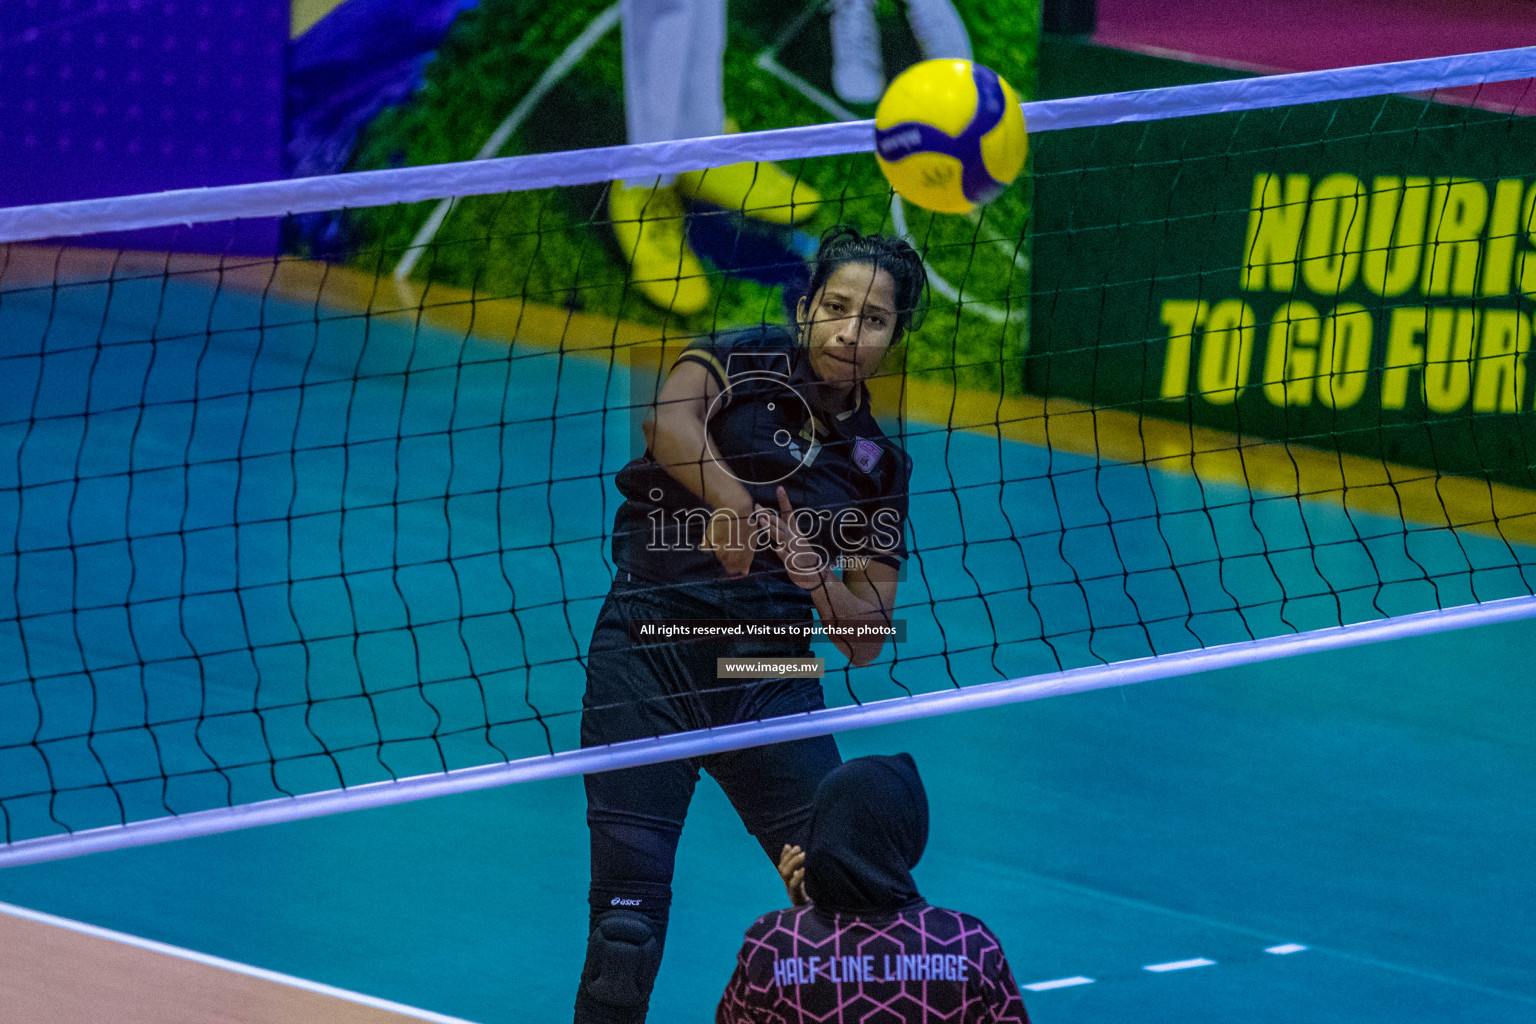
[1354, 276]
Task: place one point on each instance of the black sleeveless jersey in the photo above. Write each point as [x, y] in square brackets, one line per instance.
[849, 479]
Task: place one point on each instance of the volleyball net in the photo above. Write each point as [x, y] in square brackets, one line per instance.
[1238, 373]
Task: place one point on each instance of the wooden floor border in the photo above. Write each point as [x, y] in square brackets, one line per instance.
[59, 971]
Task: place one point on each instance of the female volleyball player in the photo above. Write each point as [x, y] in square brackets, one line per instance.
[766, 490]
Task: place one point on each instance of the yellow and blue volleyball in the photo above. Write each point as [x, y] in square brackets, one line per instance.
[949, 135]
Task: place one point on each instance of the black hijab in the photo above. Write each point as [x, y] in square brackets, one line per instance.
[869, 824]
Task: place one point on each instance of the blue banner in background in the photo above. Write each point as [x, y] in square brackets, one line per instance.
[360, 58]
[112, 99]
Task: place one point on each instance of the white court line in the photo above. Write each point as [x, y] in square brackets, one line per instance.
[229, 965]
[601, 26]
[1172, 965]
[1046, 986]
[1179, 965]
[1201, 919]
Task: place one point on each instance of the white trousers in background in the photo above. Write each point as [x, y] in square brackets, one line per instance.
[673, 51]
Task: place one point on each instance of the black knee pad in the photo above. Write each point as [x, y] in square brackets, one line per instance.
[623, 956]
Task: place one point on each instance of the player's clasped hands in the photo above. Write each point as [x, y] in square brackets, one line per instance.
[729, 535]
[792, 870]
[801, 560]
[734, 542]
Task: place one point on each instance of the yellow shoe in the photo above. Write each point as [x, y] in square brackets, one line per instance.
[761, 191]
[649, 222]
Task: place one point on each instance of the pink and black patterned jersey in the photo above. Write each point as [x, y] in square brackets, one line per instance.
[921, 965]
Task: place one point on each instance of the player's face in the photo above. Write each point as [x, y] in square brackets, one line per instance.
[849, 323]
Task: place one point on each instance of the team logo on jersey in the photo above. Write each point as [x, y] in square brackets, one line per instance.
[865, 454]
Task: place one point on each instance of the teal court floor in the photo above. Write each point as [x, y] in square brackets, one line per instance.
[218, 505]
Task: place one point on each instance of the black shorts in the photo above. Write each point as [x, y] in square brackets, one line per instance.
[652, 689]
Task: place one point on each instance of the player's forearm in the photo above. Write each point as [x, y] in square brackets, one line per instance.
[680, 446]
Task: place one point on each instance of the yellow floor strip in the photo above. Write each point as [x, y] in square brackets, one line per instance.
[1401, 492]
[1367, 485]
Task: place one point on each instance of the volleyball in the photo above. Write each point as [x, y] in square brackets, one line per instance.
[949, 135]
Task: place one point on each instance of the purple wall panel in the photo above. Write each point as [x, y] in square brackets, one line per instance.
[115, 97]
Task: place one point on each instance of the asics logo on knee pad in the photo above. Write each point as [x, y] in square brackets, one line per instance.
[620, 901]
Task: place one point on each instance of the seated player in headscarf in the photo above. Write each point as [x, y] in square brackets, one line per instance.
[861, 938]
